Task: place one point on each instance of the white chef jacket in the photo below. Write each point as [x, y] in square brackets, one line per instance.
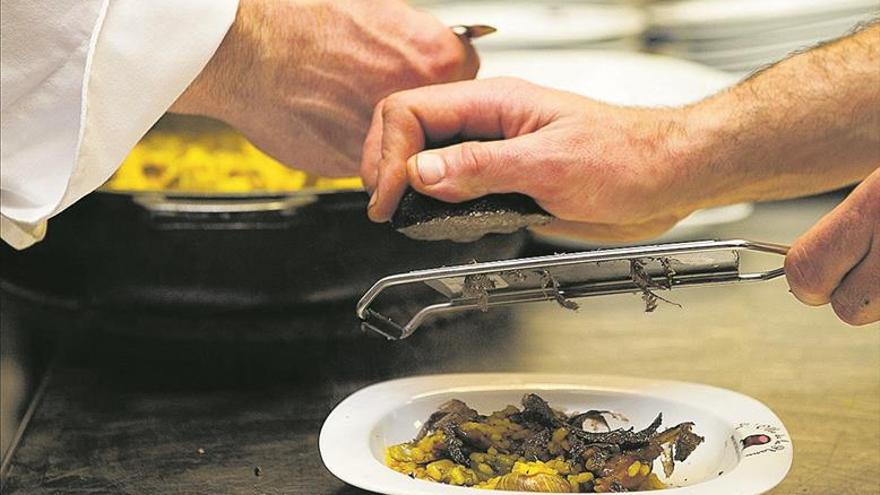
[82, 81]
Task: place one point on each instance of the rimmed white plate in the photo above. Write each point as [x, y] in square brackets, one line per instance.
[747, 450]
[712, 57]
[622, 78]
[715, 15]
[796, 33]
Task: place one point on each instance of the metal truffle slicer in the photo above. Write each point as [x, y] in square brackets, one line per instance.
[397, 305]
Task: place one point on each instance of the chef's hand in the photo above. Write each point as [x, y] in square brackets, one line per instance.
[838, 260]
[604, 172]
[300, 77]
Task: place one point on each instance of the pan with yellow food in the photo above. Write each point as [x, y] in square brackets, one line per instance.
[197, 217]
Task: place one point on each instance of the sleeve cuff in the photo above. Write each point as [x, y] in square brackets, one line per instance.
[145, 55]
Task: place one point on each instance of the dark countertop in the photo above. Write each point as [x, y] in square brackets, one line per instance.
[128, 413]
[125, 411]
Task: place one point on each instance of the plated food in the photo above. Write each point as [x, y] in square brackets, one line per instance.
[746, 449]
[538, 449]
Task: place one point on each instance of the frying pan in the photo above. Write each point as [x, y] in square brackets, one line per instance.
[223, 252]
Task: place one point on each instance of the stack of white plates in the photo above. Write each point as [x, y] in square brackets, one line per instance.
[741, 36]
[548, 24]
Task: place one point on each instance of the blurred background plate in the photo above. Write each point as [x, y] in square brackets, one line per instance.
[713, 18]
[820, 29]
[623, 78]
[742, 36]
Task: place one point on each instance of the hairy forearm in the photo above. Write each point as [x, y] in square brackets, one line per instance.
[213, 91]
[808, 124]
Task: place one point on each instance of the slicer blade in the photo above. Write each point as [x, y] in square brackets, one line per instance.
[562, 277]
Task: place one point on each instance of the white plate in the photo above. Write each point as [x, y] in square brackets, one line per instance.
[544, 24]
[711, 15]
[796, 33]
[747, 449]
[755, 56]
[622, 78]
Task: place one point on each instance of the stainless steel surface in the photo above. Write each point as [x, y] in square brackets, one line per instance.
[562, 277]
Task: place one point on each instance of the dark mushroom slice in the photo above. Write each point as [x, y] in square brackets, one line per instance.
[683, 440]
[536, 409]
[454, 445]
[622, 437]
[451, 412]
[424, 218]
[597, 418]
[534, 448]
[628, 470]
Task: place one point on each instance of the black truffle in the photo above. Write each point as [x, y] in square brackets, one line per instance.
[424, 218]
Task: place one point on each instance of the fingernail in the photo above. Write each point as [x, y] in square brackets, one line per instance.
[431, 168]
[372, 202]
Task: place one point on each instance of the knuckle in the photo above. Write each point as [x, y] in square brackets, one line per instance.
[471, 156]
[401, 99]
[391, 104]
[446, 61]
[395, 109]
[805, 277]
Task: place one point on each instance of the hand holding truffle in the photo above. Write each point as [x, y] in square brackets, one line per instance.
[809, 124]
[519, 137]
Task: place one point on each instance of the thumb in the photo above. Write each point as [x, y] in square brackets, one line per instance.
[472, 169]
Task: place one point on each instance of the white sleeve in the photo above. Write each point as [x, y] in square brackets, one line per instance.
[82, 81]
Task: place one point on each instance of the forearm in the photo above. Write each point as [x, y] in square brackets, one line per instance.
[808, 124]
[212, 91]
